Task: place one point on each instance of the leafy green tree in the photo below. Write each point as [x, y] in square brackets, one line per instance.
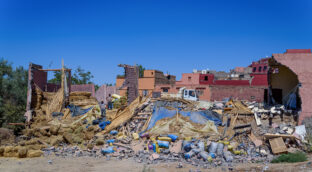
[79, 76]
[141, 71]
[13, 90]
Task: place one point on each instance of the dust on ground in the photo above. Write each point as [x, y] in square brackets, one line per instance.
[81, 164]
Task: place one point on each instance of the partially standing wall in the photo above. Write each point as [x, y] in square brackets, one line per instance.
[300, 62]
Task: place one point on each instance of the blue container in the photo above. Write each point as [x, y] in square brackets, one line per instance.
[189, 154]
[113, 132]
[108, 150]
[213, 155]
[154, 147]
[187, 145]
[110, 141]
[173, 137]
[103, 124]
[163, 144]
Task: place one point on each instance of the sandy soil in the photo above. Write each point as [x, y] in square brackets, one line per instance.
[82, 164]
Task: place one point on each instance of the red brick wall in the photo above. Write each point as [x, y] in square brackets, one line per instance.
[259, 79]
[232, 82]
[237, 92]
[40, 78]
[202, 78]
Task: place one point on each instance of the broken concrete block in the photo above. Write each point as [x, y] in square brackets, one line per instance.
[176, 147]
[10, 151]
[136, 147]
[135, 136]
[255, 140]
[34, 153]
[154, 156]
[22, 152]
[68, 137]
[1, 151]
[54, 129]
[99, 142]
[54, 141]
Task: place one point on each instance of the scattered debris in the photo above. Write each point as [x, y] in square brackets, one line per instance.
[151, 130]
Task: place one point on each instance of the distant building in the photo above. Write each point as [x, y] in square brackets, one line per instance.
[148, 83]
[240, 83]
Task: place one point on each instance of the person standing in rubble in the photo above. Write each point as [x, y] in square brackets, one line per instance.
[109, 100]
[103, 109]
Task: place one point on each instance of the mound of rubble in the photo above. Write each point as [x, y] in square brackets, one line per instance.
[161, 130]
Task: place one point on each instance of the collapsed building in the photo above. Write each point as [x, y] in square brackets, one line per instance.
[152, 130]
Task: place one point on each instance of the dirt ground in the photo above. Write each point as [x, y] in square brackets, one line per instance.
[81, 164]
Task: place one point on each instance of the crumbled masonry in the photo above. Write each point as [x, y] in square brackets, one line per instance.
[153, 130]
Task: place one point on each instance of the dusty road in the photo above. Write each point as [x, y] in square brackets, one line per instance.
[82, 164]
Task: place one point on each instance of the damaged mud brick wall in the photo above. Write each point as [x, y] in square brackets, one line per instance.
[160, 78]
[300, 61]
[84, 88]
[38, 81]
[131, 82]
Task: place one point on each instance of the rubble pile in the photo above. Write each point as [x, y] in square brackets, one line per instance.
[163, 130]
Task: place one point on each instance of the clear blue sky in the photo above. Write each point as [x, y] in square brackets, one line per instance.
[172, 36]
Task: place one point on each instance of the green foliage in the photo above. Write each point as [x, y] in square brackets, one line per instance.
[96, 87]
[13, 91]
[80, 76]
[120, 102]
[141, 71]
[290, 157]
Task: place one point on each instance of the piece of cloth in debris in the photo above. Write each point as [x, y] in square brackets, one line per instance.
[183, 127]
[201, 117]
[77, 110]
[292, 101]
[90, 115]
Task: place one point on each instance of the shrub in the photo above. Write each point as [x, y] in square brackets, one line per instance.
[290, 157]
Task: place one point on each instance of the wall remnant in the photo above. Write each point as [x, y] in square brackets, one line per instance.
[299, 61]
[131, 82]
[102, 93]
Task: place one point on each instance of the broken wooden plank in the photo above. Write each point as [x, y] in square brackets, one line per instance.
[146, 124]
[122, 145]
[138, 117]
[254, 139]
[258, 120]
[242, 126]
[278, 145]
[16, 123]
[269, 136]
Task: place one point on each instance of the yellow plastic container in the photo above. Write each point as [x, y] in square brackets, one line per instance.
[188, 138]
[209, 159]
[237, 152]
[226, 142]
[135, 136]
[164, 139]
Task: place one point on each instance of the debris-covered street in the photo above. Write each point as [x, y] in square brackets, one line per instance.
[51, 164]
